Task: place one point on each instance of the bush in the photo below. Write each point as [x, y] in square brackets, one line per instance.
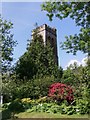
[42, 99]
[52, 108]
[26, 100]
[6, 114]
[41, 86]
[16, 106]
[83, 106]
[26, 103]
[34, 89]
[39, 105]
[5, 105]
[60, 92]
[42, 107]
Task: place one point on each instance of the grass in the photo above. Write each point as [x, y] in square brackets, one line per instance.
[47, 115]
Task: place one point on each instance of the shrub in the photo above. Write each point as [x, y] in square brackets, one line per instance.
[42, 99]
[60, 92]
[27, 103]
[16, 106]
[34, 89]
[52, 108]
[6, 114]
[24, 100]
[5, 105]
[41, 87]
[83, 106]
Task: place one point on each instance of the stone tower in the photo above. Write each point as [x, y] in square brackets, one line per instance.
[49, 35]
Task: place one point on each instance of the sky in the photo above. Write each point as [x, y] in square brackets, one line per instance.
[24, 15]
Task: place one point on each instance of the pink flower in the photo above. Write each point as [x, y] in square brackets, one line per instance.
[61, 91]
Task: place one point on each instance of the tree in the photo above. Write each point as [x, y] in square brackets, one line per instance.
[42, 55]
[78, 11]
[40, 86]
[7, 44]
[60, 72]
[38, 60]
[78, 77]
[69, 77]
[25, 67]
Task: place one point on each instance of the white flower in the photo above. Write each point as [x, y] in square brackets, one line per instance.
[77, 110]
[40, 104]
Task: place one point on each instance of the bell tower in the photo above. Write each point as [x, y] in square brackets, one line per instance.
[49, 35]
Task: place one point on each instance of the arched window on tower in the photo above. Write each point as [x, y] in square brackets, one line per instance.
[49, 40]
[52, 42]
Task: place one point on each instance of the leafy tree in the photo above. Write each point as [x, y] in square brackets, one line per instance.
[78, 77]
[25, 68]
[37, 61]
[13, 89]
[82, 75]
[7, 44]
[78, 11]
[40, 86]
[59, 74]
[68, 77]
[15, 106]
[42, 56]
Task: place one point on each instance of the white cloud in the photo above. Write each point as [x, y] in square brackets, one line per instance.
[82, 62]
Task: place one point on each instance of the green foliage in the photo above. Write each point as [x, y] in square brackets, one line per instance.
[81, 107]
[76, 11]
[37, 61]
[59, 74]
[28, 100]
[41, 86]
[26, 103]
[83, 82]
[69, 77]
[42, 99]
[9, 89]
[16, 106]
[38, 89]
[25, 68]
[5, 105]
[78, 77]
[6, 44]
[6, 114]
[14, 88]
[33, 89]
[44, 107]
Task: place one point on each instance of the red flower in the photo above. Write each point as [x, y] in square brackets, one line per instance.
[61, 91]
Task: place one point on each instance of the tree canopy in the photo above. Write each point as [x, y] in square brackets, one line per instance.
[7, 44]
[38, 60]
[80, 13]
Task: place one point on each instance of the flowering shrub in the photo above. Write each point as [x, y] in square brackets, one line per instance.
[26, 100]
[42, 99]
[59, 92]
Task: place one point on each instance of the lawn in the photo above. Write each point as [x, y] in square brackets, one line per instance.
[47, 115]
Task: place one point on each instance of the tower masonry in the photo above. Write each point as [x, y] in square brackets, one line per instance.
[49, 35]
